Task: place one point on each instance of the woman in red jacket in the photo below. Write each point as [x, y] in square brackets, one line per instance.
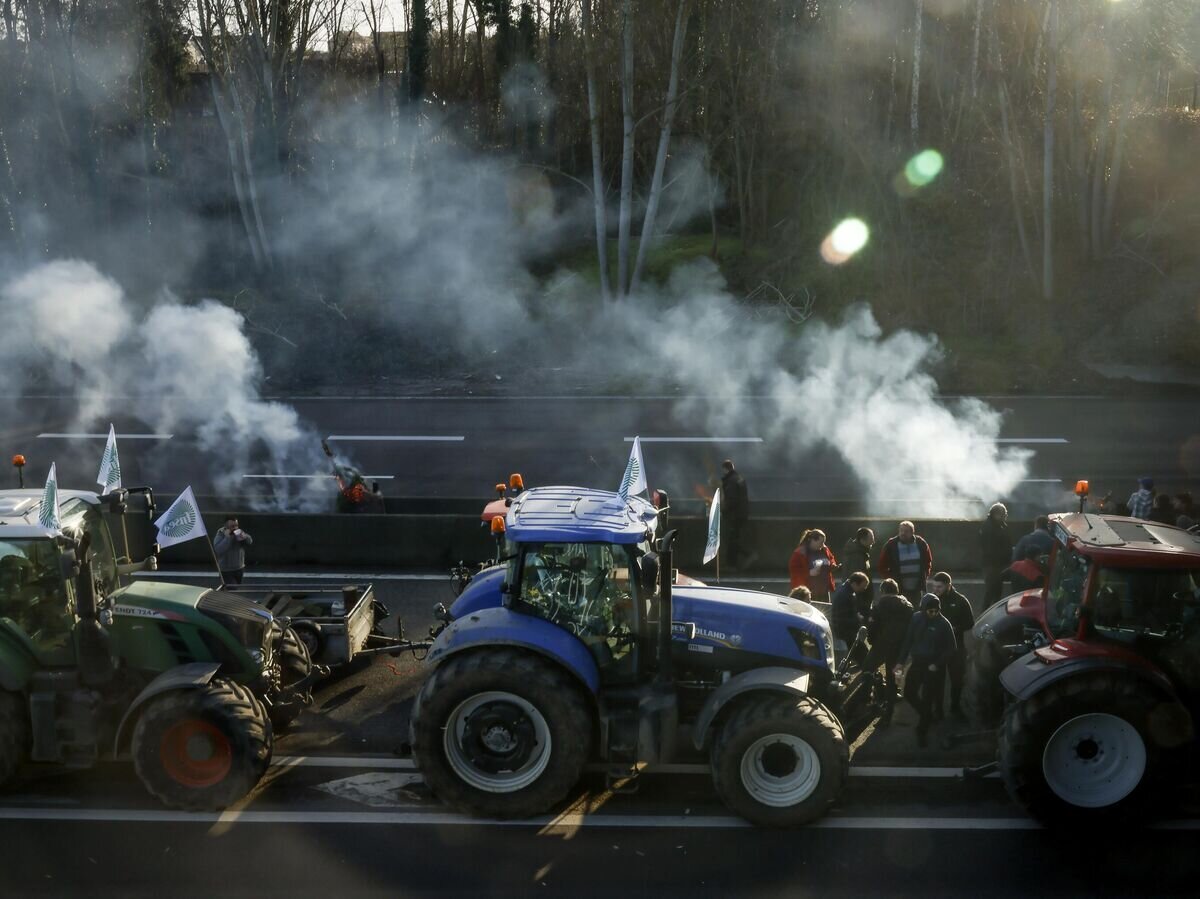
[812, 565]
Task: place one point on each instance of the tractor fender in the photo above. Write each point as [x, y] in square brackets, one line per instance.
[1030, 673]
[503, 627]
[183, 677]
[772, 680]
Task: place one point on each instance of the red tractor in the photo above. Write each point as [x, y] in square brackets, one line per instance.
[1095, 678]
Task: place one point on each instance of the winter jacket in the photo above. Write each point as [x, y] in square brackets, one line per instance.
[735, 498]
[995, 544]
[1025, 575]
[956, 609]
[1038, 539]
[888, 625]
[800, 564]
[929, 641]
[889, 564]
[843, 616]
[231, 553]
[1140, 503]
[856, 557]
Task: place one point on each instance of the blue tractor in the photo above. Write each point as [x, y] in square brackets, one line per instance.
[560, 654]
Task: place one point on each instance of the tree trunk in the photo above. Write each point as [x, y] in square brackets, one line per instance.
[1099, 172]
[1114, 179]
[1048, 156]
[626, 212]
[664, 141]
[598, 193]
[1018, 214]
[975, 49]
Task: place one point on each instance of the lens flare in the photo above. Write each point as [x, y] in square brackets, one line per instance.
[923, 168]
[850, 236]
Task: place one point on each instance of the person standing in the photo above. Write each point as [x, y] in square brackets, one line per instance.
[856, 556]
[929, 643]
[886, 629]
[1162, 510]
[1141, 501]
[735, 513]
[230, 547]
[995, 549]
[1039, 538]
[844, 617]
[812, 565]
[907, 559]
[956, 609]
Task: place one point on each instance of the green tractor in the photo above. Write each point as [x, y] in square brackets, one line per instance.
[190, 683]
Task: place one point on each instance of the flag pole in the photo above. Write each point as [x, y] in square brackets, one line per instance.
[212, 549]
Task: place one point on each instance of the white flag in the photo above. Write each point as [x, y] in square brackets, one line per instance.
[48, 514]
[634, 481]
[714, 529]
[110, 465]
[181, 522]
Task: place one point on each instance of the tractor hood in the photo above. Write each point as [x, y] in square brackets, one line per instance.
[158, 594]
[747, 621]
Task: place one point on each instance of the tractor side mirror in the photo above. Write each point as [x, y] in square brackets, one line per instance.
[68, 564]
[650, 572]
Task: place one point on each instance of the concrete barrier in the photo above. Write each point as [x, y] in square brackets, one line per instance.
[439, 540]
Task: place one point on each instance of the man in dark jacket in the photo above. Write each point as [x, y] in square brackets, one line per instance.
[929, 643]
[995, 549]
[908, 560]
[735, 512]
[856, 556]
[845, 619]
[1039, 538]
[956, 609]
[886, 629]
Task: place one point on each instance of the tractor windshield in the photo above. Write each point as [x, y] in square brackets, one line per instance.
[1065, 591]
[33, 594]
[1150, 601]
[585, 588]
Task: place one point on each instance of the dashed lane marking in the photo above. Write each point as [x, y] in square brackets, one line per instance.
[410, 438]
[697, 440]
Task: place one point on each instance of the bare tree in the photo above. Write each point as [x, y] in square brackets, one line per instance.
[598, 193]
[914, 109]
[625, 215]
[1048, 153]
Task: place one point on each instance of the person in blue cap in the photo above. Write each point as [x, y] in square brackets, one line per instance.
[1142, 501]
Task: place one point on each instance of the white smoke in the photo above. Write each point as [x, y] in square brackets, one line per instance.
[185, 368]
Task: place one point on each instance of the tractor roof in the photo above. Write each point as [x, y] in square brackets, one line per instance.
[1126, 541]
[19, 510]
[578, 515]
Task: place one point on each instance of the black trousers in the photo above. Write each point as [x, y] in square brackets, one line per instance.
[920, 687]
[956, 670]
[733, 531]
[881, 656]
[233, 578]
[993, 586]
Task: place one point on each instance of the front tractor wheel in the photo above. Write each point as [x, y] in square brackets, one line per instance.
[502, 734]
[1081, 750]
[780, 761]
[203, 748]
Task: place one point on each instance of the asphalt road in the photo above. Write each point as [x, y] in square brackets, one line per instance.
[457, 446]
[342, 813]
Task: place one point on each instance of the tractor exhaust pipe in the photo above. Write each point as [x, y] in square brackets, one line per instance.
[666, 576]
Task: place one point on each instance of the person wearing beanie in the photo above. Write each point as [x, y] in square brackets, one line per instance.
[995, 550]
[1142, 500]
[956, 609]
[886, 629]
[929, 644]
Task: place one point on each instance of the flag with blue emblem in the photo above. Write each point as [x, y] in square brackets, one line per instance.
[48, 514]
[634, 481]
[714, 529]
[110, 464]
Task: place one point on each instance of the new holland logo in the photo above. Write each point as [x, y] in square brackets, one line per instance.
[179, 524]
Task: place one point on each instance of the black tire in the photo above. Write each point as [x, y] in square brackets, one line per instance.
[14, 734]
[311, 639]
[295, 664]
[983, 695]
[1031, 724]
[758, 719]
[240, 737]
[551, 691]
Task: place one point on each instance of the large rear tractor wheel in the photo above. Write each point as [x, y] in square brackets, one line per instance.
[983, 694]
[295, 664]
[203, 748]
[501, 733]
[1080, 750]
[14, 734]
[780, 761]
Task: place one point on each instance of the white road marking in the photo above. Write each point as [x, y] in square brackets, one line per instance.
[58, 436]
[385, 762]
[569, 820]
[697, 440]
[411, 438]
[1031, 440]
[316, 477]
[305, 576]
[943, 480]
